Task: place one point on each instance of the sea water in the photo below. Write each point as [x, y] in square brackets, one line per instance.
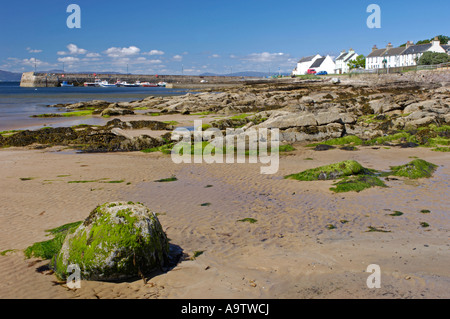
[18, 104]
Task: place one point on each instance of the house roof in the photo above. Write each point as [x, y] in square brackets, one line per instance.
[376, 53]
[354, 55]
[395, 51]
[446, 46]
[307, 59]
[417, 48]
[317, 63]
[341, 56]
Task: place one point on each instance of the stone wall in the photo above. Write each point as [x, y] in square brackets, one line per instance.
[31, 79]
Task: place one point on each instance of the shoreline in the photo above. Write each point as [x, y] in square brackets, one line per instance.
[287, 253]
[288, 250]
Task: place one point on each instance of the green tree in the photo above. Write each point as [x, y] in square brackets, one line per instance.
[442, 38]
[429, 58]
[359, 62]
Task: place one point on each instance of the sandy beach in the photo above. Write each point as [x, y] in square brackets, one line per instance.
[289, 252]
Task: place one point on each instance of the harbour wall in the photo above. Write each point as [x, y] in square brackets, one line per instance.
[32, 79]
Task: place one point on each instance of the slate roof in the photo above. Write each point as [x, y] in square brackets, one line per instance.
[317, 63]
[307, 59]
[417, 49]
[376, 53]
[350, 57]
[395, 51]
[341, 56]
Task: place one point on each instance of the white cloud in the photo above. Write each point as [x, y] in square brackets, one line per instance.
[155, 52]
[33, 50]
[73, 50]
[177, 57]
[68, 59]
[215, 56]
[265, 57]
[122, 52]
[92, 55]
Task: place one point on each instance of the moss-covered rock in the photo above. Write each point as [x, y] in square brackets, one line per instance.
[117, 241]
[418, 168]
[357, 183]
[330, 172]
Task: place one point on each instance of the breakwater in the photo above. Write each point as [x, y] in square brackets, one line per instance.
[34, 79]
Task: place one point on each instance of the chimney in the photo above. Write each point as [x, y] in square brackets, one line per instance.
[409, 43]
[436, 41]
[389, 46]
[374, 48]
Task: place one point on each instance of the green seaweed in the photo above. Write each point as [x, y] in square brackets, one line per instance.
[374, 229]
[357, 183]
[48, 249]
[166, 180]
[349, 139]
[415, 169]
[424, 224]
[248, 220]
[396, 213]
[6, 252]
[425, 211]
[205, 204]
[196, 254]
[330, 172]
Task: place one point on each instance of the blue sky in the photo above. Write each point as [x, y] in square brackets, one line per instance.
[199, 36]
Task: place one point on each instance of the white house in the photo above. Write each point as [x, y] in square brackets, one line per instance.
[408, 55]
[324, 64]
[304, 64]
[343, 59]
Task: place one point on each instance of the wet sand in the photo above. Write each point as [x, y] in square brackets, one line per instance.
[288, 253]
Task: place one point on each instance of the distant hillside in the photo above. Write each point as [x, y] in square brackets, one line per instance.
[6, 76]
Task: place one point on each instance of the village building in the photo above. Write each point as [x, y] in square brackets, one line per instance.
[304, 64]
[342, 61]
[315, 62]
[407, 55]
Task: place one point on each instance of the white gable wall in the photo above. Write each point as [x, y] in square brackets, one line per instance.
[302, 68]
[327, 65]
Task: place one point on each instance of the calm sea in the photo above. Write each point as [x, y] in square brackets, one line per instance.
[17, 104]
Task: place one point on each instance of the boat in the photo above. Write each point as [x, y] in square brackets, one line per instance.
[65, 84]
[106, 84]
[148, 84]
[162, 84]
[128, 85]
[96, 83]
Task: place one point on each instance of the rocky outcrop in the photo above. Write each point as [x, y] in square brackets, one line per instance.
[91, 139]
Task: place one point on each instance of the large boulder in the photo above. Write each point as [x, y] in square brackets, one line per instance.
[117, 241]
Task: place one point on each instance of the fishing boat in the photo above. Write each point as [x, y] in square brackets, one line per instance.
[162, 84]
[106, 84]
[128, 85]
[96, 83]
[65, 84]
[148, 84]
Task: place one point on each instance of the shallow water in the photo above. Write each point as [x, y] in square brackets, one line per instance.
[17, 104]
